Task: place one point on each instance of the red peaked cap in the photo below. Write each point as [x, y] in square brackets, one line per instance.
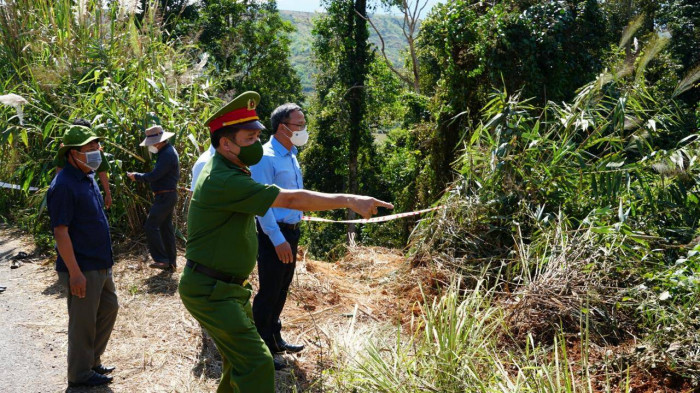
[240, 112]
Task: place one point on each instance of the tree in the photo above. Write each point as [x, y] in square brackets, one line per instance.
[178, 17]
[249, 44]
[547, 49]
[356, 57]
[341, 156]
[411, 19]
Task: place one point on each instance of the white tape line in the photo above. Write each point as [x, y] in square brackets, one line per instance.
[15, 186]
[374, 219]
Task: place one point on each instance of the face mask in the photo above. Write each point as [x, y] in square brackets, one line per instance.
[93, 159]
[298, 138]
[251, 154]
[153, 149]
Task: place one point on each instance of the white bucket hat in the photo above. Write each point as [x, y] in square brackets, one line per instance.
[154, 135]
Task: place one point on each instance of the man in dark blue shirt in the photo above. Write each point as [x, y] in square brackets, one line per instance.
[160, 233]
[84, 261]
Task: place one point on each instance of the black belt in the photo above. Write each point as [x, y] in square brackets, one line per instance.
[215, 274]
[289, 226]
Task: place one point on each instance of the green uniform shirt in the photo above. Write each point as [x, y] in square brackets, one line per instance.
[60, 162]
[221, 218]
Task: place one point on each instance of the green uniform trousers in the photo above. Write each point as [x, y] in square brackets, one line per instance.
[224, 310]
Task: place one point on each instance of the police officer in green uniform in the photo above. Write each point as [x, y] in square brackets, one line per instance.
[222, 242]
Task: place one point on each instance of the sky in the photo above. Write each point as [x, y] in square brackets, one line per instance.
[315, 5]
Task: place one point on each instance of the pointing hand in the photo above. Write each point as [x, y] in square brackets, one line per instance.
[367, 206]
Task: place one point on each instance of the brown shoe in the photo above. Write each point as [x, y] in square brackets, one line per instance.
[160, 265]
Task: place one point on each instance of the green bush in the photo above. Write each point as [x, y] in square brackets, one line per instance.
[116, 68]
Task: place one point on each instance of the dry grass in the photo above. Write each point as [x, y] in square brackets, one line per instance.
[158, 347]
[327, 299]
[335, 309]
[568, 295]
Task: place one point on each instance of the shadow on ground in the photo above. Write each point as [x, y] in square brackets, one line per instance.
[209, 365]
[55, 289]
[209, 360]
[163, 283]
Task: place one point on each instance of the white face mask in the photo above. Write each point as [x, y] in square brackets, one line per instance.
[298, 138]
[93, 159]
[153, 149]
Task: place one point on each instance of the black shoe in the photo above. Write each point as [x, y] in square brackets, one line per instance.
[273, 347]
[284, 346]
[278, 365]
[95, 380]
[104, 370]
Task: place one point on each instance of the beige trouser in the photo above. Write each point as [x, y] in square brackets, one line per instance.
[90, 322]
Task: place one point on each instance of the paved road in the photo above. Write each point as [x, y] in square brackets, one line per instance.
[32, 322]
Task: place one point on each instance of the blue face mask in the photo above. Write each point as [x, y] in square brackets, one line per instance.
[93, 159]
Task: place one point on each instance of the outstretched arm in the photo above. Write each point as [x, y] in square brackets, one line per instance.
[161, 169]
[305, 200]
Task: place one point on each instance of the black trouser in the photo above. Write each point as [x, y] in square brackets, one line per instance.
[274, 278]
[160, 233]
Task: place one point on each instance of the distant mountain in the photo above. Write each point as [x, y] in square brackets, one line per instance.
[302, 41]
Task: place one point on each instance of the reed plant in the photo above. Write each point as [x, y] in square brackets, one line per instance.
[579, 211]
[457, 344]
[112, 66]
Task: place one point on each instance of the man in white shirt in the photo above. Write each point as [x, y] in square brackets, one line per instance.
[201, 161]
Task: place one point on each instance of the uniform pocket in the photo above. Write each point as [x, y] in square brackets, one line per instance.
[227, 291]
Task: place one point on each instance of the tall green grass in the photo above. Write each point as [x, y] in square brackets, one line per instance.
[456, 344]
[583, 213]
[557, 330]
[110, 67]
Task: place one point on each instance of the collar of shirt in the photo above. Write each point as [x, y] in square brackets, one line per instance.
[280, 149]
[219, 157]
[166, 147]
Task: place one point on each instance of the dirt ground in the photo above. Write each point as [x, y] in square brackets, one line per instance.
[157, 346]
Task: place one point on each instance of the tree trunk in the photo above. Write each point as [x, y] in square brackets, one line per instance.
[357, 58]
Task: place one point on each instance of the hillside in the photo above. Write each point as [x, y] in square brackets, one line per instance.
[302, 42]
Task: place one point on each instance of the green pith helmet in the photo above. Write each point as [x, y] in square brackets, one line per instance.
[239, 112]
[76, 136]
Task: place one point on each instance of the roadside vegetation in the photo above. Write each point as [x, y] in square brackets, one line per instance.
[574, 234]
